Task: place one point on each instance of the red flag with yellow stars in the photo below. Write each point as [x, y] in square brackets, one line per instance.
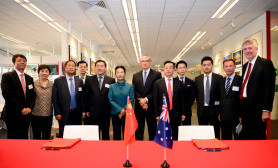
[131, 124]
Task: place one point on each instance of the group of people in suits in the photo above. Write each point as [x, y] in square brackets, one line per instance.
[221, 102]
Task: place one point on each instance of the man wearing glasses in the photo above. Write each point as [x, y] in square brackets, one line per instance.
[143, 82]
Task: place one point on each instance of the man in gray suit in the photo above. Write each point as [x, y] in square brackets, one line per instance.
[68, 98]
[207, 95]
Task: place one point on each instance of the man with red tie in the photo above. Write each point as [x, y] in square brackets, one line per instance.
[172, 89]
[257, 92]
[18, 92]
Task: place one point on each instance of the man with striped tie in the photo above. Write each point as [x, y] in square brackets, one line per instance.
[230, 102]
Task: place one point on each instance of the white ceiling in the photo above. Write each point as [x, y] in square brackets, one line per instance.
[166, 26]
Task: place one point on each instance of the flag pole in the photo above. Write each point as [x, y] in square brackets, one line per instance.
[127, 152]
[165, 164]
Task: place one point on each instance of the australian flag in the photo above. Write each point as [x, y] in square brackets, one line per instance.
[163, 133]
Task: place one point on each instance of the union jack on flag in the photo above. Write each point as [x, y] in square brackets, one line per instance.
[164, 112]
[163, 133]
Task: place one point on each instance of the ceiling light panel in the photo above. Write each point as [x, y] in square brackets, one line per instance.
[130, 11]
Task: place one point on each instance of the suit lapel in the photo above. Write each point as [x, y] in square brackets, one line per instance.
[76, 85]
[255, 67]
[150, 76]
[202, 85]
[140, 78]
[65, 83]
[15, 76]
[212, 82]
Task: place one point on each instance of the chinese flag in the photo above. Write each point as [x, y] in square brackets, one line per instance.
[131, 124]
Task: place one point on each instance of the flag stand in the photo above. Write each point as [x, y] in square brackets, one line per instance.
[165, 164]
[127, 163]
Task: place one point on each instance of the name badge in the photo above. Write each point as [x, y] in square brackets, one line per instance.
[216, 103]
[235, 88]
[80, 89]
[30, 86]
[107, 85]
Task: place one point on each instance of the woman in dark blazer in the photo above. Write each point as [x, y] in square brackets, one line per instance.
[117, 95]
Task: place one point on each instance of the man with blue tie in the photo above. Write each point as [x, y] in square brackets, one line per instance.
[68, 98]
[188, 90]
[208, 96]
[143, 82]
[230, 101]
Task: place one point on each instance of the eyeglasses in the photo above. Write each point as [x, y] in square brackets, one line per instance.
[145, 61]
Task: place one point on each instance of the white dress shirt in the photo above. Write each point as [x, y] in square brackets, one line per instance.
[166, 80]
[245, 73]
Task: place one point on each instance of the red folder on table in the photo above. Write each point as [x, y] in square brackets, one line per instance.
[209, 144]
[61, 143]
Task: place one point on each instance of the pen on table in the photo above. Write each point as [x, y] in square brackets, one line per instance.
[51, 149]
[213, 150]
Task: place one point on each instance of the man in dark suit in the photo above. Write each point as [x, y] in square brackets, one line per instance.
[96, 98]
[67, 98]
[208, 96]
[82, 68]
[143, 82]
[18, 92]
[257, 92]
[229, 100]
[188, 90]
[172, 89]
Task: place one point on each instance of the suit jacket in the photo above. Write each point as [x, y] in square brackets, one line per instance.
[189, 95]
[260, 86]
[230, 103]
[144, 91]
[178, 105]
[61, 97]
[13, 94]
[96, 100]
[214, 94]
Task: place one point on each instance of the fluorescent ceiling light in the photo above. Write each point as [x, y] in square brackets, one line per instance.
[130, 11]
[194, 40]
[11, 39]
[40, 14]
[224, 8]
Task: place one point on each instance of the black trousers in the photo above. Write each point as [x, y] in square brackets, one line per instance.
[103, 123]
[151, 122]
[228, 130]
[74, 118]
[118, 127]
[253, 128]
[18, 127]
[41, 126]
[207, 119]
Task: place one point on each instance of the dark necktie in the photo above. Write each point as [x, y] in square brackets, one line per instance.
[207, 97]
[228, 85]
[245, 81]
[100, 82]
[182, 80]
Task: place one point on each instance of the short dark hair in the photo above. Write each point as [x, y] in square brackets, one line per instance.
[100, 61]
[181, 62]
[166, 62]
[70, 61]
[207, 58]
[229, 59]
[43, 66]
[118, 67]
[18, 55]
[82, 62]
